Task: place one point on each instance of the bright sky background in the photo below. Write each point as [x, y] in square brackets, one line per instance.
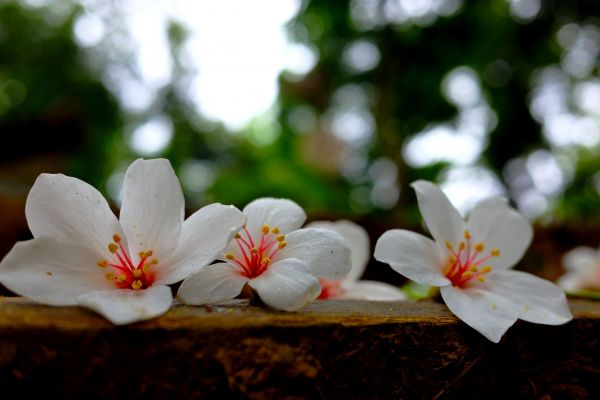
[237, 49]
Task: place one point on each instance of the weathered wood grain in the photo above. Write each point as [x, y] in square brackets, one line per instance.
[333, 349]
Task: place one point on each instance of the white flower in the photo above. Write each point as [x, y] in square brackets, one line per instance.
[470, 263]
[351, 287]
[274, 257]
[583, 270]
[82, 255]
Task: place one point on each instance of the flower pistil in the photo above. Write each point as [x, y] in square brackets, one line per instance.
[256, 256]
[125, 274]
[466, 263]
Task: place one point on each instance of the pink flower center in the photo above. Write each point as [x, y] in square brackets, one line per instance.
[330, 288]
[125, 273]
[256, 255]
[466, 263]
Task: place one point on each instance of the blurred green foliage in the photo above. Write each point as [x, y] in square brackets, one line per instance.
[406, 83]
[52, 100]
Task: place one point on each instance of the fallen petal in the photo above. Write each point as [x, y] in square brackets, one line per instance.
[124, 306]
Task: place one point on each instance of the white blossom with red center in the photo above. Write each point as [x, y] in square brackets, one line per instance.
[273, 256]
[82, 254]
[470, 262]
[350, 287]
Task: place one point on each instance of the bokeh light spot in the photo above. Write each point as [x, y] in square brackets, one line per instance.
[152, 137]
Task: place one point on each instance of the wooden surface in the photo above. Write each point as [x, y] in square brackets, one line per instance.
[332, 349]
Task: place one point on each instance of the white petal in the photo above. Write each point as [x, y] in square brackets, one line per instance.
[499, 226]
[481, 210]
[287, 285]
[583, 269]
[535, 299]
[52, 272]
[322, 250]
[412, 255]
[153, 206]
[581, 258]
[204, 236]
[486, 312]
[124, 306]
[356, 238]
[571, 281]
[70, 210]
[372, 291]
[442, 219]
[281, 213]
[212, 284]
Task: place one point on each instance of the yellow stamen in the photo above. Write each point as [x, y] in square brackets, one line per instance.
[275, 230]
[486, 269]
[121, 278]
[266, 261]
[265, 229]
[461, 245]
[237, 236]
[154, 261]
[116, 238]
[467, 275]
[448, 245]
[481, 279]
[282, 245]
[137, 273]
[146, 268]
[103, 263]
[110, 276]
[136, 285]
[495, 252]
[467, 235]
[473, 269]
[479, 247]
[280, 238]
[229, 256]
[254, 250]
[452, 259]
[113, 248]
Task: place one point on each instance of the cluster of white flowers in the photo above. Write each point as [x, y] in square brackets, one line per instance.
[81, 254]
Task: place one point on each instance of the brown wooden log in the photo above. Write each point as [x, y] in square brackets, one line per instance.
[329, 350]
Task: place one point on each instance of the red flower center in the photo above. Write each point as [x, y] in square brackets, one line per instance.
[330, 288]
[256, 255]
[125, 273]
[466, 263]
